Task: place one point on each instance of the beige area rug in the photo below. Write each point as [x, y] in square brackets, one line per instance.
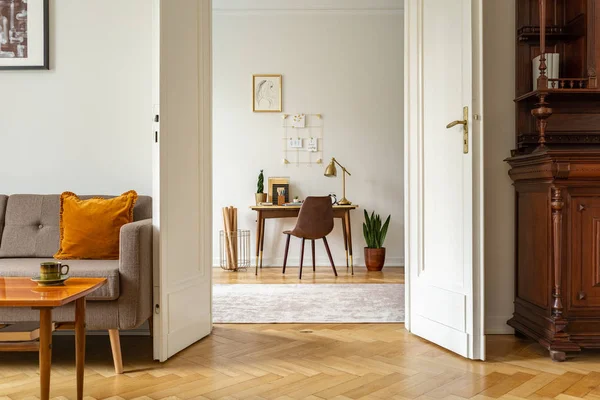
[308, 303]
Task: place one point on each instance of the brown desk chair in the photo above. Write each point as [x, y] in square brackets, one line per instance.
[315, 221]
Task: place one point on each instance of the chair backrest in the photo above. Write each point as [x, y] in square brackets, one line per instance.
[315, 219]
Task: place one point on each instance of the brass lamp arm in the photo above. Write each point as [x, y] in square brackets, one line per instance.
[341, 166]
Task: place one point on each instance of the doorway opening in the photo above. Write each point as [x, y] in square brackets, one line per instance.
[331, 86]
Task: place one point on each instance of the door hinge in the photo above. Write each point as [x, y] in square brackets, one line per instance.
[155, 136]
[156, 309]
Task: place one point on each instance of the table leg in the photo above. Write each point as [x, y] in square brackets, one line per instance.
[313, 256]
[258, 237]
[262, 241]
[349, 235]
[80, 344]
[45, 352]
[345, 240]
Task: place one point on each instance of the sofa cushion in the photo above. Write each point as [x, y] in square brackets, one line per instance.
[90, 229]
[31, 227]
[109, 269]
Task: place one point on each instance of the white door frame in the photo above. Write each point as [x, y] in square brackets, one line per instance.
[412, 170]
[413, 165]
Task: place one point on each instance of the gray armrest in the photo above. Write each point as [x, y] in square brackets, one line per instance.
[135, 270]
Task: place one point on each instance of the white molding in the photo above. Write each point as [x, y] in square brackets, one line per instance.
[307, 6]
[496, 325]
[321, 262]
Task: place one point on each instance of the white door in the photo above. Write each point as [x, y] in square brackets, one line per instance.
[444, 190]
[183, 174]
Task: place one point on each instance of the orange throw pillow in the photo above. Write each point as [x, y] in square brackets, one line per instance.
[90, 229]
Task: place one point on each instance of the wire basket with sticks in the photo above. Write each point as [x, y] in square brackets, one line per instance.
[234, 243]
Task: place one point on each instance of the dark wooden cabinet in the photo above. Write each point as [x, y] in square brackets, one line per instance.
[558, 248]
[555, 167]
[585, 256]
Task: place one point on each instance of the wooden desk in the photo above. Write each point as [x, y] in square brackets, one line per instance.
[268, 212]
[22, 292]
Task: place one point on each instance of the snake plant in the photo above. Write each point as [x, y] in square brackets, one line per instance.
[374, 231]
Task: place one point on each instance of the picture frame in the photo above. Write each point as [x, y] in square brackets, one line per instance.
[281, 190]
[277, 182]
[267, 93]
[24, 34]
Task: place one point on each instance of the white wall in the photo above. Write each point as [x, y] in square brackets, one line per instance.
[85, 125]
[341, 61]
[499, 88]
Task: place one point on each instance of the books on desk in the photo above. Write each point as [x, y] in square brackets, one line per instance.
[284, 204]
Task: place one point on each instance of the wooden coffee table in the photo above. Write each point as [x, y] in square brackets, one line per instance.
[22, 292]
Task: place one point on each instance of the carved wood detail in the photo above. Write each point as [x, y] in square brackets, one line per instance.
[591, 48]
[557, 231]
[569, 28]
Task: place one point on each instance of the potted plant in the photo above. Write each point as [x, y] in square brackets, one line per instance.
[261, 197]
[375, 233]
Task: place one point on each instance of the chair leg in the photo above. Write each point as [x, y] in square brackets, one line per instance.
[287, 248]
[301, 257]
[329, 254]
[313, 255]
[115, 344]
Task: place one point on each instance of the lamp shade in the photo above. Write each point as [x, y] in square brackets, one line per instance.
[331, 170]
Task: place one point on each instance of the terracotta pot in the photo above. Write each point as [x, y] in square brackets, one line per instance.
[374, 258]
[260, 198]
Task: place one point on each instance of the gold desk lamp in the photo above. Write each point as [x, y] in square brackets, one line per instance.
[331, 171]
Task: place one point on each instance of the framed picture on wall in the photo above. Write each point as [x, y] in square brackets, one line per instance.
[266, 93]
[24, 34]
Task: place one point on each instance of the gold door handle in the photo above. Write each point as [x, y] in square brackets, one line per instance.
[454, 123]
[465, 124]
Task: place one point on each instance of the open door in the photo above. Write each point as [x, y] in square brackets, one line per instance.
[182, 177]
[444, 174]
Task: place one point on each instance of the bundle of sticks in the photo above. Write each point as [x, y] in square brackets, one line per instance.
[231, 242]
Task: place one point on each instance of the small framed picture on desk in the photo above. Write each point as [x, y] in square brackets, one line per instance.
[282, 193]
[280, 182]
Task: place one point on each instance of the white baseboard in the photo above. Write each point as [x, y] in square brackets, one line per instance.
[496, 325]
[321, 261]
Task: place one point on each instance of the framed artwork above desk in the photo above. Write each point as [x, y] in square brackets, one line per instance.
[271, 212]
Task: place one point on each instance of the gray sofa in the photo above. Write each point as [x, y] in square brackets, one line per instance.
[29, 234]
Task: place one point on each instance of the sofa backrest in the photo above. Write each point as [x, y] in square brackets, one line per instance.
[29, 223]
[3, 200]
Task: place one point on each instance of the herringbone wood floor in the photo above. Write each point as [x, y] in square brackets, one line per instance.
[308, 362]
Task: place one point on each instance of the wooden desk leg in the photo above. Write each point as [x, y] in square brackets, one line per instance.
[313, 256]
[45, 352]
[262, 241]
[80, 344]
[345, 240]
[258, 238]
[349, 234]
